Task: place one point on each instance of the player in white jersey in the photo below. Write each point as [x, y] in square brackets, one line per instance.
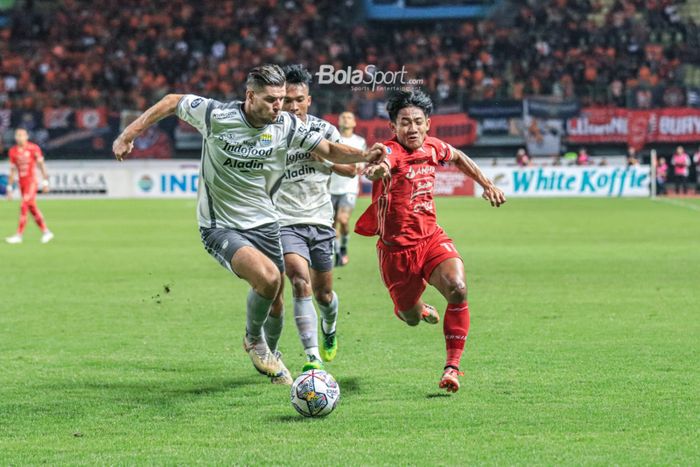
[243, 161]
[306, 220]
[344, 190]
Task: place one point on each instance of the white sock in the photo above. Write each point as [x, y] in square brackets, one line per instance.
[307, 325]
[329, 314]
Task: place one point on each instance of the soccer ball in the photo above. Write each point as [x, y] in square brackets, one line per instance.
[315, 393]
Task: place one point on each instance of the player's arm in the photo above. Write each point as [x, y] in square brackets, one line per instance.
[163, 108]
[464, 163]
[44, 175]
[339, 153]
[345, 170]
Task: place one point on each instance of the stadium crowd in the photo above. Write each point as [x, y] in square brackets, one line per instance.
[128, 53]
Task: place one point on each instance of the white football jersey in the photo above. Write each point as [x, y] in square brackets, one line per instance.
[242, 166]
[341, 185]
[303, 196]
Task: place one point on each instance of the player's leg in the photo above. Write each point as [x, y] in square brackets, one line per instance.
[273, 331]
[401, 273]
[296, 241]
[321, 271]
[275, 320]
[335, 200]
[327, 299]
[343, 233]
[265, 280]
[23, 210]
[297, 269]
[260, 265]
[47, 235]
[448, 278]
[345, 207]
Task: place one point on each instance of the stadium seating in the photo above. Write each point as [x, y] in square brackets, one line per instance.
[127, 54]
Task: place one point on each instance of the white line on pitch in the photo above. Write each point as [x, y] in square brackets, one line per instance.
[679, 203]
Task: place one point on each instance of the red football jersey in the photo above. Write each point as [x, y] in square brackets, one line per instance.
[402, 212]
[25, 160]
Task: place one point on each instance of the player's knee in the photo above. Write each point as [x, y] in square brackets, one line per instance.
[300, 285]
[324, 296]
[456, 289]
[411, 317]
[412, 320]
[269, 282]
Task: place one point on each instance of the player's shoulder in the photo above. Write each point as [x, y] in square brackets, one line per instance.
[231, 110]
[287, 119]
[394, 146]
[326, 128]
[316, 123]
[439, 148]
[435, 142]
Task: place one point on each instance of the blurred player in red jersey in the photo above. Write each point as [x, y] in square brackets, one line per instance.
[24, 157]
[413, 250]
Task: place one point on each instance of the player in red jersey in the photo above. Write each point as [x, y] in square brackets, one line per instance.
[24, 157]
[413, 250]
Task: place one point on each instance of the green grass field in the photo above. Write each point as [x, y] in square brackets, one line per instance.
[584, 345]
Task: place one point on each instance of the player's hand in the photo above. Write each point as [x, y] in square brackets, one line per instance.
[375, 171]
[8, 193]
[45, 186]
[376, 153]
[121, 147]
[494, 195]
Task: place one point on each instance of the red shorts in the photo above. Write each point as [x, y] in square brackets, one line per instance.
[406, 271]
[28, 188]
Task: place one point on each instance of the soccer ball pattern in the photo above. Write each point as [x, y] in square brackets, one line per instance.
[315, 393]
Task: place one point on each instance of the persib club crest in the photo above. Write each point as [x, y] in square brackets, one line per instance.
[265, 139]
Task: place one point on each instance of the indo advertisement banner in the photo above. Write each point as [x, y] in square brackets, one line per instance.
[167, 182]
[570, 181]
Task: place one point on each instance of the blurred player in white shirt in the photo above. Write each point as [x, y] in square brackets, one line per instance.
[344, 190]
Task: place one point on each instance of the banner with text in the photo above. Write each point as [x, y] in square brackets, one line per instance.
[455, 129]
[635, 127]
[570, 181]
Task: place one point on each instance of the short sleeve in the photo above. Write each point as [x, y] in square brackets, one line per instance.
[300, 136]
[332, 134]
[392, 158]
[193, 110]
[445, 152]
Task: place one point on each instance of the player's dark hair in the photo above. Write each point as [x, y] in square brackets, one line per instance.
[265, 75]
[297, 74]
[401, 99]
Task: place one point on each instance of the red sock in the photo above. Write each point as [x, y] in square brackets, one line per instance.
[456, 328]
